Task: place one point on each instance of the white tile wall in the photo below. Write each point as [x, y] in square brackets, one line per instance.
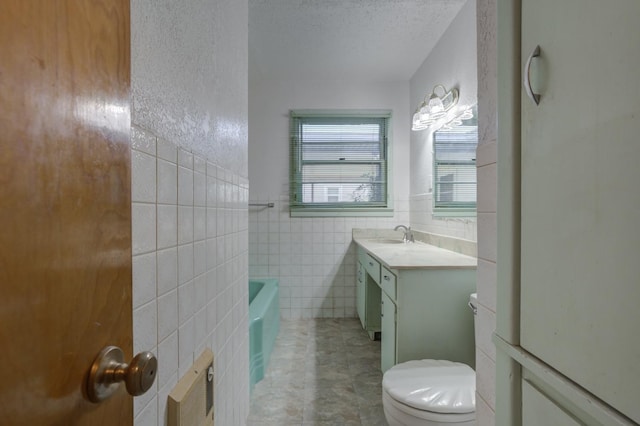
[486, 321]
[167, 314]
[488, 225]
[485, 415]
[314, 258]
[143, 172]
[144, 273]
[149, 414]
[143, 227]
[189, 273]
[487, 208]
[422, 219]
[167, 358]
[485, 371]
[167, 179]
[486, 282]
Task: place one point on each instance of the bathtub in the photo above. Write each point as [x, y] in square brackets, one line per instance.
[264, 324]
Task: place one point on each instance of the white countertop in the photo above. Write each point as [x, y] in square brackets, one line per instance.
[395, 254]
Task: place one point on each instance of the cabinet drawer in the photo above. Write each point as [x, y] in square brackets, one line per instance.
[362, 255]
[372, 267]
[388, 283]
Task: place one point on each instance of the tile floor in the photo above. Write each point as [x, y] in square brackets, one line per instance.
[323, 372]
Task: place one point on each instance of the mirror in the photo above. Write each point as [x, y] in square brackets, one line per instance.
[454, 165]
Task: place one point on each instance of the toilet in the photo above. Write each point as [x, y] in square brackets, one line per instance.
[430, 392]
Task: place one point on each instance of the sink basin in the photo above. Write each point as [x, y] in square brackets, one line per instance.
[388, 241]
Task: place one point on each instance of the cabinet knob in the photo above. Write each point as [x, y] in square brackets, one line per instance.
[386, 277]
[370, 263]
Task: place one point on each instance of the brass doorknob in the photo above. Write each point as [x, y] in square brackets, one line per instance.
[109, 370]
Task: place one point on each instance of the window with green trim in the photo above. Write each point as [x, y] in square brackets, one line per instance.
[454, 168]
[339, 163]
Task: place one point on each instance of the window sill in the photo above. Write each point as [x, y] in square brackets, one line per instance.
[344, 212]
[444, 213]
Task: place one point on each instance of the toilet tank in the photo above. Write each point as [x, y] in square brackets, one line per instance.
[473, 303]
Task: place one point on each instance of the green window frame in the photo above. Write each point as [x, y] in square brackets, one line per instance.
[339, 163]
[454, 170]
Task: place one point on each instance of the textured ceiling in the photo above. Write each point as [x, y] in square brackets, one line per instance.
[374, 40]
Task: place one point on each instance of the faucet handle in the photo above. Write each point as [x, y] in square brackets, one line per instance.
[409, 235]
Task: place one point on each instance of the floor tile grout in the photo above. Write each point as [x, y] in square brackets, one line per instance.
[341, 383]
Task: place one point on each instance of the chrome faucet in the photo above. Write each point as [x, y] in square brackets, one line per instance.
[408, 235]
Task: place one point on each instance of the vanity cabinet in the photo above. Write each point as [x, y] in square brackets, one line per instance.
[360, 293]
[368, 293]
[388, 350]
[388, 333]
[432, 319]
[423, 312]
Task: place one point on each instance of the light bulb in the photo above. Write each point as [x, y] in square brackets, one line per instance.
[467, 114]
[436, 107]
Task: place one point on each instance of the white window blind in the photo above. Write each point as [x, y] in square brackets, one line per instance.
[338, 161]
[455, 169]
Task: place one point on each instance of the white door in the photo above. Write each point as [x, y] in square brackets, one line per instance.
[538, 410]
[580, 258]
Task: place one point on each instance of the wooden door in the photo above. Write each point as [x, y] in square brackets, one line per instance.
[580, 264]
[65, 208]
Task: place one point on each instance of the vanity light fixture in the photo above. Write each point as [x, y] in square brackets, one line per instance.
[457, 119]
[435, 108]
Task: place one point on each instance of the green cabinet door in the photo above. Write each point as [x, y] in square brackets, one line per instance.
[388, 335]
[360, 294]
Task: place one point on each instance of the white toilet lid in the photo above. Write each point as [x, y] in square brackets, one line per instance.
[432, 385]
